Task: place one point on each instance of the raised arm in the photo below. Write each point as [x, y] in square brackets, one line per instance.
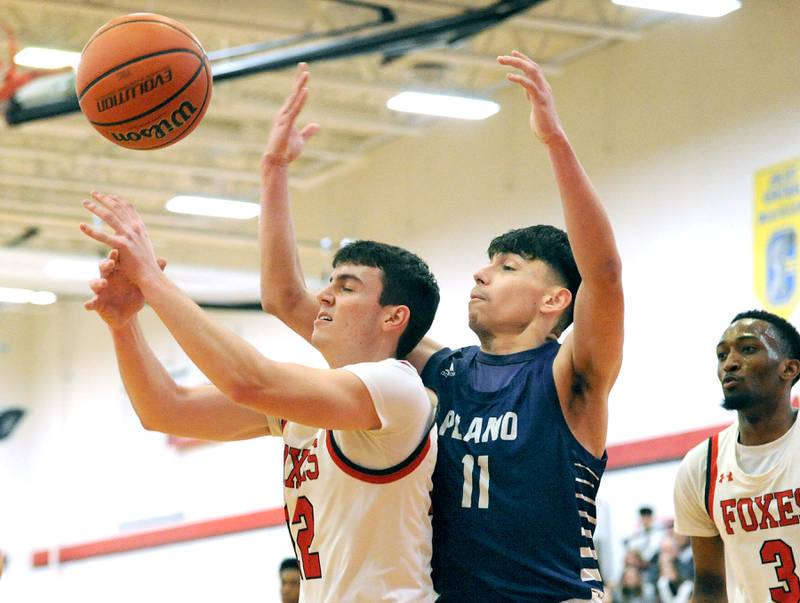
[162, 405]
[709, 570]
[590, 359]
[283, 288]
[420, 355]
[332, 399]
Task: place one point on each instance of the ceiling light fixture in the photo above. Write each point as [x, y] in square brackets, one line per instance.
[443, 105]
[26, 296]
[78, 270]
[46, 58]
[700, 8]
[217, 208]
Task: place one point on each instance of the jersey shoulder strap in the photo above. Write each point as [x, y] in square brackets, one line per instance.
[711, 473]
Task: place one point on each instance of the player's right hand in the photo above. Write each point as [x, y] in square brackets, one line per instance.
[116, 299]
[285, 141]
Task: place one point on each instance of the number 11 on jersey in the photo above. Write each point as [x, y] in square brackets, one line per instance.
[483, 481]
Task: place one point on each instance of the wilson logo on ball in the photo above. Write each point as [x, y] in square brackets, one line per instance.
[178, 119]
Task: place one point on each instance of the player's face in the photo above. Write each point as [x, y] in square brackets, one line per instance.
[290, 585]
[507, 294]
[350, 314]
[749, 364]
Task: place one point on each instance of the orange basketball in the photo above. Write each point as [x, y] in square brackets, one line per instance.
[143, 81]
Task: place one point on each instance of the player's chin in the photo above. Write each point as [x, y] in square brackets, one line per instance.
[478, 323]
[737, 401]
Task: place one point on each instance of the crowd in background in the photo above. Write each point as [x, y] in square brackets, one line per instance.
[657, 566]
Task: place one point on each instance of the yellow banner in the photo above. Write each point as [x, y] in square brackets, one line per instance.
[776, 223]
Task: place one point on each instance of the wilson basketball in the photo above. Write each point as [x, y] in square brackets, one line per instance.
[143, 81]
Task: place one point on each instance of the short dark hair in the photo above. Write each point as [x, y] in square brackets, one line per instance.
[407, 281]
[549, 245]
[645, 510]
[787, 334]
[289, 563]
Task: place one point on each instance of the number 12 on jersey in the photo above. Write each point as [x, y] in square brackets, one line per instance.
[483, 481]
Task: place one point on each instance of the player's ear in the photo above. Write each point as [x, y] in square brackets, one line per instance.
[791, 368]
[556, 300]
[396, 317]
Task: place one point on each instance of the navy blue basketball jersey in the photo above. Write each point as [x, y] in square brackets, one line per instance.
[513, 490]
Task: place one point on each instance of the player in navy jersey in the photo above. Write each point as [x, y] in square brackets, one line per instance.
[523, 419]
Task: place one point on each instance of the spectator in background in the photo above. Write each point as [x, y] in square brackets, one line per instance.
[647, 542]
[672, 587]
[684, 555]
[648, 539]
[290, 580]
[634, 558]
[633, 589]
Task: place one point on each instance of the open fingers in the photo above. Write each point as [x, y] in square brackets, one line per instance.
[299, 84]
[107, 267]
[529, 67]
[309, 131]
[297, 104]
[104, 213]
[91, 304]
[531, 89]
[98, 284]
[98, 235]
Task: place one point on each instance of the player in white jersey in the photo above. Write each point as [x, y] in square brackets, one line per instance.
[369, 539]
[358, 454]
[738, 494]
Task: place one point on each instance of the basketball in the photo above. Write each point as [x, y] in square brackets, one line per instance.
[143, 81]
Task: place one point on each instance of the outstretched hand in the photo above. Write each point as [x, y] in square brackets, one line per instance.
[116, 299]
[285, 141]
[544, 118]
[137, 258]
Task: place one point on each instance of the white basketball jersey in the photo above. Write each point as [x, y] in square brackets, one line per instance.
[361, 534]
[757, 516]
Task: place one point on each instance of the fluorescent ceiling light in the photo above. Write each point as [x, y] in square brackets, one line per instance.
[81, 270]
[443, 105]
[701, 8]
[43, 298]
[26, 296]
[219, 208]
[46, 58]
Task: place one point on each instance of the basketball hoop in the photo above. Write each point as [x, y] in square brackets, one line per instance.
[11, 79]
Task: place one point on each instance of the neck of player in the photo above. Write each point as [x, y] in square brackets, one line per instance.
[762, 425]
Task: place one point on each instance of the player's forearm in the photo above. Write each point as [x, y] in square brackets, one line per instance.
[590, 233]
[234, 366]
[281, 275]
[152, 391]
[709, 589]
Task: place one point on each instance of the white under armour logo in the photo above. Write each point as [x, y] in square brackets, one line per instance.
[449, 372]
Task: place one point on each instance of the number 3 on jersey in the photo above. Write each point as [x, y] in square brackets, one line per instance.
[777, 551]
[304, 517]
[483, 481]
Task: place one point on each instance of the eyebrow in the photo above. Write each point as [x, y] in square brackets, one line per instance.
[740, 338]
[346, 277]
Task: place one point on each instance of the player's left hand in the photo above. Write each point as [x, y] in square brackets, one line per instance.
[285, 141]
[544, 118]
[137, 258]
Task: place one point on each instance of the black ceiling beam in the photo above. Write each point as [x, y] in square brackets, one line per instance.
[392, 43]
